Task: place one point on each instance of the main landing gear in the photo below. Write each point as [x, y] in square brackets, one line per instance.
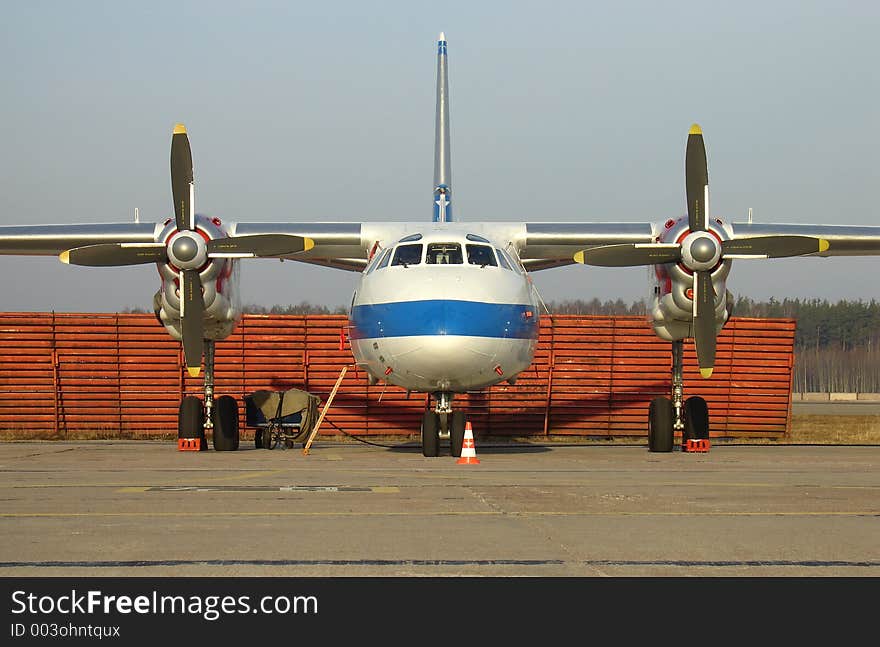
[442, 422]
[667, 416]
[220, 416]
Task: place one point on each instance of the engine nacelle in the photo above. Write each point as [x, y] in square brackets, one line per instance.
[671, 305]
[219, 278]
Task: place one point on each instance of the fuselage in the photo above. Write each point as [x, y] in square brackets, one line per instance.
[444, 310]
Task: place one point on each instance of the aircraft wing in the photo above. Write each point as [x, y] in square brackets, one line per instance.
[51, 240]
[336, 244]
[843, 240]
[543, 245]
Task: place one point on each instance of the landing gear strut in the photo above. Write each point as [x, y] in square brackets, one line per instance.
[442, 422]
[666, 417]
[196, 417]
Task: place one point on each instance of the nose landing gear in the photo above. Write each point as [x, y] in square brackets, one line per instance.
[442, 422]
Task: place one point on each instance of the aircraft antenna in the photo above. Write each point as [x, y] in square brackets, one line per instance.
[137, 217]
[750, 215]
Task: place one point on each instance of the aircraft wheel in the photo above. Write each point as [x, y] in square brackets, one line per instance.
[660, 423]
[191, 418]
[696, 418]
[225, 418]
[259, 438]
[456, 433]
[430, 434]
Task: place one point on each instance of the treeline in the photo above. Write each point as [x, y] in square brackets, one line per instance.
[302, 308]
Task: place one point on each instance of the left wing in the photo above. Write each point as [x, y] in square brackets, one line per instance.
[51, 240]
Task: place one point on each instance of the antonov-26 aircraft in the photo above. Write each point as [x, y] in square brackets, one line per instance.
[442, 307]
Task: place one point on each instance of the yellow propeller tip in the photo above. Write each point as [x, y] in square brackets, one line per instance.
[64, 257]
[823, 245]
[696, 130]
[706, 372]
[179, 129]
[194, 371]
[308, 243]
[579, 257]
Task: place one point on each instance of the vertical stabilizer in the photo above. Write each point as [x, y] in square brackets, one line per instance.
[442, 163]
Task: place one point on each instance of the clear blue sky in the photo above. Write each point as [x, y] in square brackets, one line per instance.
[325, 111]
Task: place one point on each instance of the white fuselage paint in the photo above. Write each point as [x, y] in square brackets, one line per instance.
[444, 327]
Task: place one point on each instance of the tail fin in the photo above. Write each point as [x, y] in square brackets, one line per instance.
[442, 163]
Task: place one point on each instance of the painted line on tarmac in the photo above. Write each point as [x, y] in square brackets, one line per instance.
[813, 563]
[441, 513]
[262, 488]
[124, 487]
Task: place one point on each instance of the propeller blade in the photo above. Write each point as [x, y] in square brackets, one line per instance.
[192, 308]
[773, 246]
[704, 322]
[115, 254]
[696, 175]
[258, 245]
[628, 255]
[182, 179]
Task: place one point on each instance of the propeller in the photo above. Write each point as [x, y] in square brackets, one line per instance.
[700, 251]
[182, 183]
[187, 250]
[192, 310]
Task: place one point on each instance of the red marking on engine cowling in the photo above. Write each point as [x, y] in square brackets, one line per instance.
[685, 235]
[201, 233]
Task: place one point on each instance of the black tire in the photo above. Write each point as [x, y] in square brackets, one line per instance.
[430, 434]
[660, 422]
[191, 418]
[456, 433]
[271, 438]
[258, 438]
[696, 418]
[225, 418]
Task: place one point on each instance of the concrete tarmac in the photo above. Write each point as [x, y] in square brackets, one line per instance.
[132, 508]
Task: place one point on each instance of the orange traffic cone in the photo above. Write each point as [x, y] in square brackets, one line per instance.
[468, 452]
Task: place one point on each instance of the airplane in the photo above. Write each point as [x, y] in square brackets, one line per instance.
[441, 307]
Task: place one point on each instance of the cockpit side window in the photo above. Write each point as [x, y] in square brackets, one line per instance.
[480, 255]
[374, 262]
[384, 261]
[407, 255]
[502, 260]
[515, 263]
[444, 254]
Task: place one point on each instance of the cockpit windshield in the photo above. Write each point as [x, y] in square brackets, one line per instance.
[444, 254]
[407, 255]
[481, 255]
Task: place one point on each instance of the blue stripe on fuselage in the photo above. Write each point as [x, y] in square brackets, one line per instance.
[444, 317]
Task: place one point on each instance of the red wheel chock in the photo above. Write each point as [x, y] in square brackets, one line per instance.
[189, 444]
[699, 446]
